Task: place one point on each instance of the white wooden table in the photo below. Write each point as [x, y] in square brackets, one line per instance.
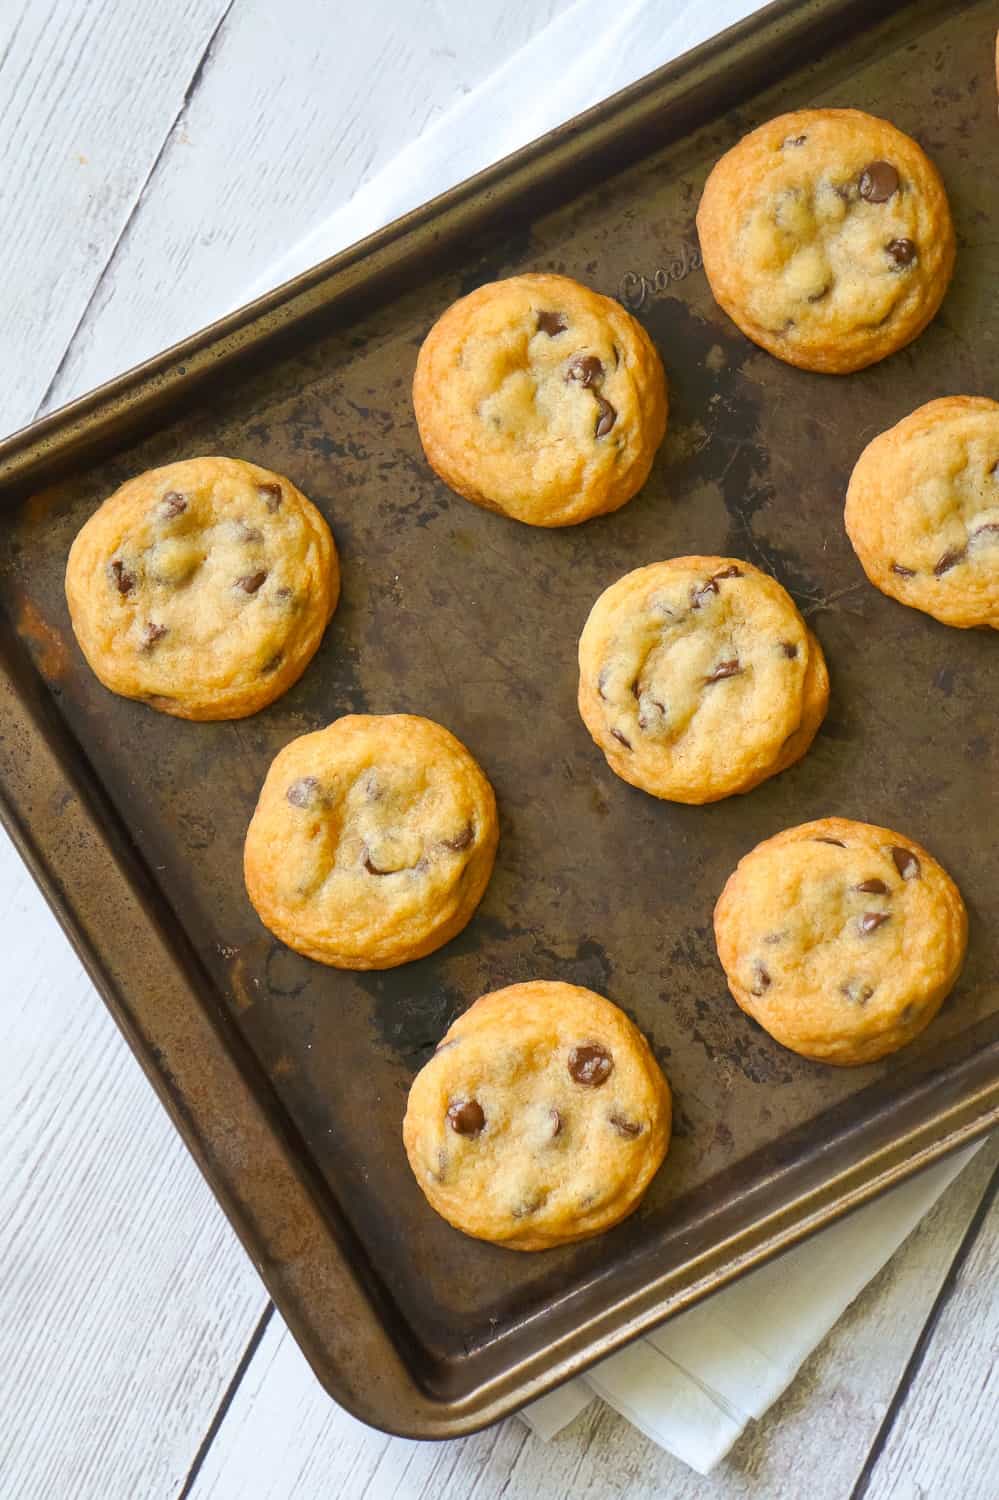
[153, 156]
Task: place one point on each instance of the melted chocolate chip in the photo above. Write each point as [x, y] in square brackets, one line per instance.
[902, 252]
[629, 1128]
[466, 1117]
[872, 920]
[990, 528]
[601, 684]
[795, 140]
[903, 572]
[273, 664]
[725, 669]
[303, 792]
[151, 634]
[271, 494]
[590, 1065]
[251, 582]
[949, 560]
[878, 181]
[872, 887]
[606, 418]
[555, 1120]
[622, 738]
[789, 649]
[838, 842]
[732, 572]
[551, 323]
[373, 869]
[906, 863]
[461, 840]
[762, 980]
[124, 580]
[585, 369]
[172, 504]
[701, 593]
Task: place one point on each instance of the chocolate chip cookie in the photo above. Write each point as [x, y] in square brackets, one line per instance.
[827, 238]
[541, 1118]
[202, 588]
[698, 678]
[922, 511]
[541, 399]
[372, 842]
[841, 939]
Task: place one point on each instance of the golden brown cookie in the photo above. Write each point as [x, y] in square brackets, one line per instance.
[372, 842]
[202, 588]
[698, 678]
[841, 939]
[922, 511]
[827, 237]
[541, 1118]
[541, 399]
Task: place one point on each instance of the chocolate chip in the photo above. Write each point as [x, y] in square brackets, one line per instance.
[838, 842]
[990, 527]
[555, 1119]
[622, 738]
[949, 560]
[273, 664]
[606, 417]
[636, 691]
[590, 1065]
[700, 594]
[903, 572]
[461, 840]
[732, 572]
[151, 634]
[902, 252]
[629, 1128]
[585, 369]
[271, 494]
[725, 669]
[303, 792]
[872, 887]
[857, 991]
[551, 323]
[124, 580]
[872, 920]
[465, 1117]
[878, 181]
[789, 649]
[906, 863]
[250, 582]
[372, 868]
[762, 980]
[795, 140]
[172, 504]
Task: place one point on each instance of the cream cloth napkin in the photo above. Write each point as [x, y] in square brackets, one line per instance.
[694, 1384]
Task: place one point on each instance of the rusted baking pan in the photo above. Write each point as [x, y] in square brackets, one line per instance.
[288, 1080]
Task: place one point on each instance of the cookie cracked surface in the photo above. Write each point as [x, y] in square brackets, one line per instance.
[841, 938]
[698, 678]
[372, 841]
[541, 1118]
[827, 237]
[202, 588]
[922, 511]
[541, 399]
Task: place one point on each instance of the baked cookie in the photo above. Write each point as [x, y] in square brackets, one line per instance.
[841, 939]
[202, 588]
[372, 841]
[699, 678]
[827, 238]
[541, 399]
[541, 1118]
[922, 510]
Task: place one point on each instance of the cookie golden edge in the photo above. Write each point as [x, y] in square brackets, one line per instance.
[833, 828]
[815, 702]
[714, 216]
[388, 955]
[85, 556]
[447, 465]
[866, 498]
[498, 1007]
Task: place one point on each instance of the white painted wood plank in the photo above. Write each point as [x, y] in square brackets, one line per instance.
[88, 91]
[822, 1427]
[125, 1300]
[298, 105]
[944, 1440]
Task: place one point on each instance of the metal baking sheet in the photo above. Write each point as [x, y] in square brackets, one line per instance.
[288, 1080]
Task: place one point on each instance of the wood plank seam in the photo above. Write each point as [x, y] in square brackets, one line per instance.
[918, 1355]
[189, 93]
[212, 1431]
